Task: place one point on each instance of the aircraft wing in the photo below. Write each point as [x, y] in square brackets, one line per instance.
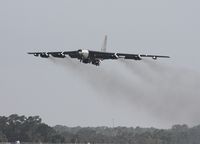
[139, 56]
[108, 55]
[72, 54]
[94, 57]
[102, 55]
[41, 54]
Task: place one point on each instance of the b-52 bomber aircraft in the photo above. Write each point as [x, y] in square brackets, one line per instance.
[95, 57]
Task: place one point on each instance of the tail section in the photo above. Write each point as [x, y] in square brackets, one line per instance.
[103, 49]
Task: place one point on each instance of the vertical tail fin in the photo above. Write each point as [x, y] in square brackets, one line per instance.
[103, 48]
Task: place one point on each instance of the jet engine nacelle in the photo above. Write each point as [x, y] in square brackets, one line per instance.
[154, 58]
[36, 54]
[58, 55]
[115, 56]
[44, 55]
[139, 57]
[83, 53]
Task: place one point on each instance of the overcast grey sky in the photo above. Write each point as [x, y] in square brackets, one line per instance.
[63, 94]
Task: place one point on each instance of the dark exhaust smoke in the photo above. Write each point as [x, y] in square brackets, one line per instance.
[169, 94]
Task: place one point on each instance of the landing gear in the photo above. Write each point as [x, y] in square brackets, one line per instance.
[85, 61]
[96, 62]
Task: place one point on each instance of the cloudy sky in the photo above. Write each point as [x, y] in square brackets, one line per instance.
[149, 93]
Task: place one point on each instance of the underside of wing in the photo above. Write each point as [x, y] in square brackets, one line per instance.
[108, 55]
[41, 54]
[139, 56]
[102, 55]
[56, 54]
[154, 56]
[72, 54]
[129, 56]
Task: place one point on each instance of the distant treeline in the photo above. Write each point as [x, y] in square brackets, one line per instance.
[27, 129]
[31, 129]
